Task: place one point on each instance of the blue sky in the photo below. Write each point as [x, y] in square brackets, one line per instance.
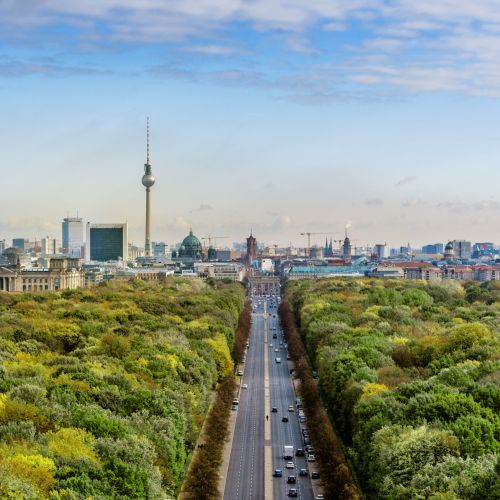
[281, 115]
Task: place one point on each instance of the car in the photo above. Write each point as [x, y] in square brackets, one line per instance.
[299, 452]
[307, 441]
[244, 386]
[236, 401]
[284, 419]
[292, 492]
[271, 344]
[240, 373]
[290, 465]
[291, 408]
[314, 474]
[274, 409]
[320, 496]
[310, 449]
[291, 480]
[275, 336]
[311, 457]
[303, 472]
[278, 473]
[278, 360]
[302, 420]
[281, 343]
[288, 358]
[234, 407]
[276, 350]
[305, 431]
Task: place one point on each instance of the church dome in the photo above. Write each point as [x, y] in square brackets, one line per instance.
[449, 246]
[191, 241]
[191, 246]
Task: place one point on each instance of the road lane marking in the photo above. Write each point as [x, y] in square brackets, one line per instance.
[268, 450]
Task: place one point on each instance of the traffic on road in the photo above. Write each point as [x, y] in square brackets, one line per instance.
[272, 456]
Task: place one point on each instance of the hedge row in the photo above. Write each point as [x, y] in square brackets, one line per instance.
[336, 476]
[203, 478]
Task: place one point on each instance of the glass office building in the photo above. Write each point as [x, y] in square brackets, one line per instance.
[107, 242]
[72, 237]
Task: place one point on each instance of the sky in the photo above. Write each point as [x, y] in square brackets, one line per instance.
[276, 116]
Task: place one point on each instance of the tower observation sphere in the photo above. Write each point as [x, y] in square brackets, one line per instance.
[147, 179]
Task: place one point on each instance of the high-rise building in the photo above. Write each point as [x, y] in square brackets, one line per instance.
[433, 249]
[379, 251]
[49, 246]
[3, 246]
[251, 249]
[147, 181]
[72, 237]
[462, 249]
[20, 243]
[106, 242]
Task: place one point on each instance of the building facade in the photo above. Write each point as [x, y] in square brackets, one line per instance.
[61, 274]
[106, 242]
[72, 237]
[251, 249]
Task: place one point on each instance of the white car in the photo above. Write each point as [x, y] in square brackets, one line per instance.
[244, 386]
[276, 350]
[290, 465]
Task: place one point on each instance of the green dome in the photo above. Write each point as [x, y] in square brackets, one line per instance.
[191, 247]
[191, 241]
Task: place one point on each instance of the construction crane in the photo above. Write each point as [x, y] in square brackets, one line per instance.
[308, 234]
[210, 238]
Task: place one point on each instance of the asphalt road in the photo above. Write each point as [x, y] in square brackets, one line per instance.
[245, 478]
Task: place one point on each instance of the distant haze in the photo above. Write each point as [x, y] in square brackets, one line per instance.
[283, 116]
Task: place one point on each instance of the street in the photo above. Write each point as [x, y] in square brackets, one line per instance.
[250, 473]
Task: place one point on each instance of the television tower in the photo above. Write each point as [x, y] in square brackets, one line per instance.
[147, 181]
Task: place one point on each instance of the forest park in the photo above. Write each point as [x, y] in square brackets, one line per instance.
[409, 372]
[103, 391]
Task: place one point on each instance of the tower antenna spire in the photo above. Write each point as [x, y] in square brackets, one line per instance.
[147, 141]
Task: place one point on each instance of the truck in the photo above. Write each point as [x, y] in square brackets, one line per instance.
[287, 452]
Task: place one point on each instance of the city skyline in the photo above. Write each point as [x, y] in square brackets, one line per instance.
[272, 116]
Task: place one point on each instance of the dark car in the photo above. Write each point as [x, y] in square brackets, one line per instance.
[275, 336]
[284, 419]
[314, 474]
[299, 452]
[278, 473]
[303, 472]
[292, 492]
[291, 480]
[307, 441]
[274, 409]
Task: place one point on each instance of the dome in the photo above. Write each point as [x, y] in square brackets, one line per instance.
[191, 241]
[191, 247]
[449, 246]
